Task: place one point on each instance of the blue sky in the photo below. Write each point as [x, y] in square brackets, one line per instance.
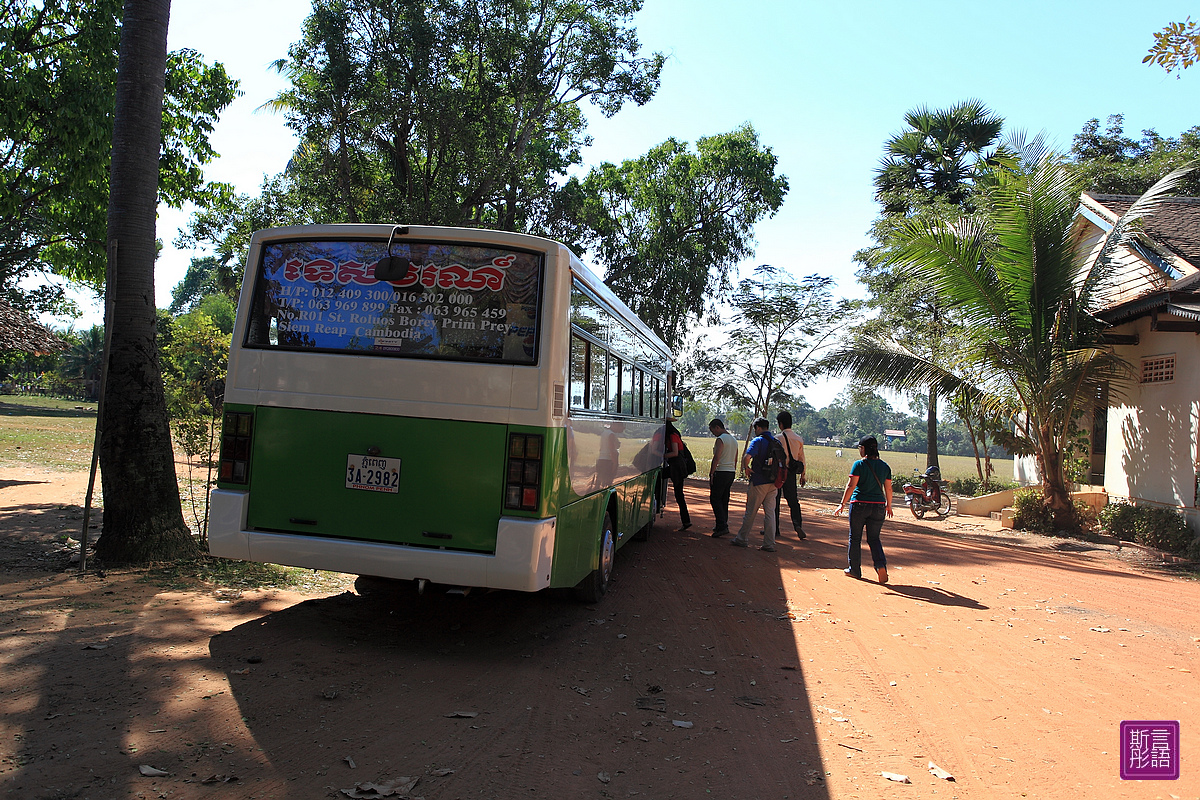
[824, 84]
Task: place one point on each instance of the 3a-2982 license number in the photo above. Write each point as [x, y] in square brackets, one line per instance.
[373, 473]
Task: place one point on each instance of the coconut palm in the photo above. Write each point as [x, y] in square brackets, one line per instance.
[1027, 298]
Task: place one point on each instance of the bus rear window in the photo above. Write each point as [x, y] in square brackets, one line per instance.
[457, 301]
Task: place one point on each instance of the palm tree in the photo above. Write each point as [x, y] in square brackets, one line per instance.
[1015, 274]
[143, 520]
[939, 155]
[82, 362]
[929, 169]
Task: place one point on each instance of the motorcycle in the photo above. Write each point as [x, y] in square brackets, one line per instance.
[926, 494]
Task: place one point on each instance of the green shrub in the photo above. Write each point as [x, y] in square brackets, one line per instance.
[1152, 526]
[1030, 512]
[1162, 528]
[1193, 551]
[1117, 519]
[1086, 517]
[972, 487]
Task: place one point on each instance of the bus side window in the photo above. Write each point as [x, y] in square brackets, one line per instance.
[628, 387]
[614, 384]
[578, 372]
[598, 376]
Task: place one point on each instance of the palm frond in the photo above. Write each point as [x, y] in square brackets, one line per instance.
[882, 362]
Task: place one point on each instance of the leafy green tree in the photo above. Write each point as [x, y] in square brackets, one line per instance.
[696, 415]
[83, 361]
[225, 226]
[929, 172]
[671, 226]
[449, 111]
[143, 519]
[59, 63]
[773, 343]
[195, 361]
[1175, 47]
[1014, 271]
[204, 277]
[1112, 163]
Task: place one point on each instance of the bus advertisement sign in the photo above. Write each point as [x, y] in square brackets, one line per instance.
[455, 301]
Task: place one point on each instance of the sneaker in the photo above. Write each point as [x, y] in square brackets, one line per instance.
[852, 573]
[739, 543]
[719, 534]
[685, 526]
[882, 573]
[766, 549]
[801, 534]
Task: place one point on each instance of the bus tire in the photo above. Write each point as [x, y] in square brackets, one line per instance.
[593, 588]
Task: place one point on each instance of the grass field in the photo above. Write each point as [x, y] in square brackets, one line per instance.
[824, 468]
[57, 434]
[46, 432]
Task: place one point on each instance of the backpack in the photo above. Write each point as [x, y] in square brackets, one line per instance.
[776, 464]
[689, 463]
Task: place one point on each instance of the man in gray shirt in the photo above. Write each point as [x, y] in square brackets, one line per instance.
[720, 475]
[793, 445]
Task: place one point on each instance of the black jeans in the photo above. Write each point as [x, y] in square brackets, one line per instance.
[788, 492]
[675, 469]
[871, 517]
[718, 497]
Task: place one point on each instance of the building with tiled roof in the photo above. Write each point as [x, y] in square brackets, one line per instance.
[1146, 438]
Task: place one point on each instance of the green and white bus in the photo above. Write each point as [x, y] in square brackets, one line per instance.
[483, 412]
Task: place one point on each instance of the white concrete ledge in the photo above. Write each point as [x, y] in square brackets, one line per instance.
[984, 505]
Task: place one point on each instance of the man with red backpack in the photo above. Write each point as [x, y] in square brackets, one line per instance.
[766, 466]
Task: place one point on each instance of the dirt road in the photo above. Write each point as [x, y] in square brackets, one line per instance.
[708, 671]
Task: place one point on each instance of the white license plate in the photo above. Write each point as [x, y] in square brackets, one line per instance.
[373, 473]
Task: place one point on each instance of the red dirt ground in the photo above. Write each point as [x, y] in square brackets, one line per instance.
[1008, 660]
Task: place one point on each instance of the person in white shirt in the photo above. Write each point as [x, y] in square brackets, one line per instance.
[793, 445]
[720, 475]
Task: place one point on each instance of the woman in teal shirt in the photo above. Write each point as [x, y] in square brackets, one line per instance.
[869, 492]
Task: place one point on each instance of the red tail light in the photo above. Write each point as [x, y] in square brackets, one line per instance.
[235, 447]
[524, 471]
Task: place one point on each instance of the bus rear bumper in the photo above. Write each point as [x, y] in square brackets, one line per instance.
[522, 561]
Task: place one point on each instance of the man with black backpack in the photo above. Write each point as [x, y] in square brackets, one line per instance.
[766, 466]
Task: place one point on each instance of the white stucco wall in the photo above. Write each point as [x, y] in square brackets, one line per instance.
[1153, 429]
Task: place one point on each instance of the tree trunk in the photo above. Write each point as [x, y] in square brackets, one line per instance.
[987, 455]
[931, 447]
[143, 520]
[966, 418]
[1054, 485]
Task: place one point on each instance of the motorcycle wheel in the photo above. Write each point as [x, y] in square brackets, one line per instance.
[919, 513]
[943, 505]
